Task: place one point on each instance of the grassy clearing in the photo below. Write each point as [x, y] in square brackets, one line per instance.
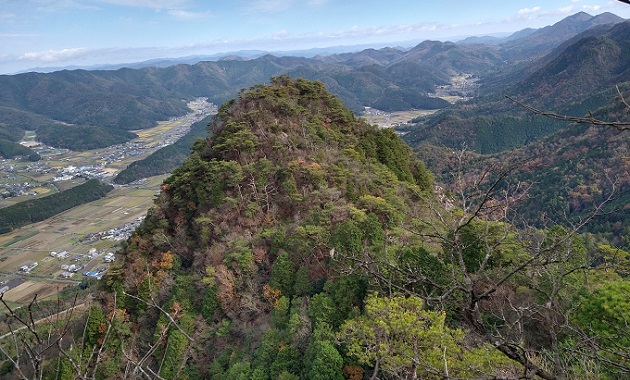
[391, 119]
[152, 134]
[42, 190]
[451, 98]
[20, 238]
[23, 293]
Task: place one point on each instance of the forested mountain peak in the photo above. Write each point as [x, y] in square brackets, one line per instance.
[576, 78]
[541, 41]
[275, 145]
[250, 223]
[298, 237]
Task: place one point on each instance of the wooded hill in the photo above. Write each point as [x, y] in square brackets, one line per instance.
[10, 150]
[298, 242]
[36, 210]
[573, 80]
[165, 159]
[97, 108]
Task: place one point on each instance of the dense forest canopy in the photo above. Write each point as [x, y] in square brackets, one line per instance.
[165, 159]
[297, 241]
[36, 210]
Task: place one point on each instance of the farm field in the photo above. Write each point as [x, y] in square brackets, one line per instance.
[392, 119]
[70, 231]
[23, 293]
[88, 232]
[41, 175]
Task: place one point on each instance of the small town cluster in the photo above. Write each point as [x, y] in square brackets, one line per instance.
[76, 263]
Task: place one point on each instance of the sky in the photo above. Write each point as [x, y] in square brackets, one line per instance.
[61, 33]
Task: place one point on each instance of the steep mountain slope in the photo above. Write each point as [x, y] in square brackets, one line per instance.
[580, 79]
[95, 104]
[519, 71]
[571, 173]
[530, 50]
[589, 65]
[297, 237]
[575, 170]
[542, 41]
[252, 219]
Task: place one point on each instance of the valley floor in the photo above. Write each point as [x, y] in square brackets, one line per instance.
[96, 227]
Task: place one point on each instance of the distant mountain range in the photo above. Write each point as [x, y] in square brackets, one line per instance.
[193, 59]
[81, 109]
[572, 168]
[571, 67]
[535, 43]
[538, 40]
[577, 77]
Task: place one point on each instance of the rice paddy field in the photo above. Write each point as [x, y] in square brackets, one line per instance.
[82, 232]
[392, 119]
[70, 231]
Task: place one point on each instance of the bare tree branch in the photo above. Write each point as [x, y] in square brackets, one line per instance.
[619, 125]
[164, 312]
[623, 100]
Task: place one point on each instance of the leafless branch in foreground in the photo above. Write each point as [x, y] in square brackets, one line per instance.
[619, 125]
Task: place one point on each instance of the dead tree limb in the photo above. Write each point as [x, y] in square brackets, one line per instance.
[619, 125]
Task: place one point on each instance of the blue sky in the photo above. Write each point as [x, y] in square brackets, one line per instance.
[54, 33]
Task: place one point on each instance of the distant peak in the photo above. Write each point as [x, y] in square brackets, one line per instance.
[580, 15]
[607, 18]
[233, 57]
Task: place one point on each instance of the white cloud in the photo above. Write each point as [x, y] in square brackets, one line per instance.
[282, 35]
[269, 6]
[59, 5]
[408, 30]
[275, 6]
[54, 55]
[185, 15]
[286, 40]
[526, 11]
[152, 4]
[591, 8]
